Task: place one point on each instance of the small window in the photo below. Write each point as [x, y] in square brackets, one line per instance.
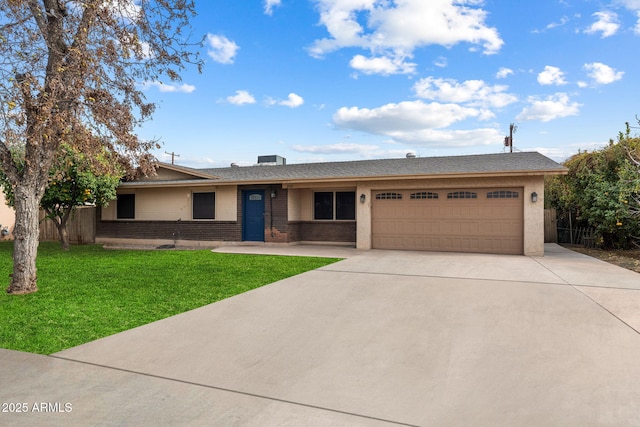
[424, 195]
[345, 205]
[389, 196]
[323, 205]
[462, 195]
[503, 194]
[126, 206]
[204, 205]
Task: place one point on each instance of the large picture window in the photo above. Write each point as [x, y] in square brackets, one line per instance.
[126, 206]
[204, 205]
[339, 205]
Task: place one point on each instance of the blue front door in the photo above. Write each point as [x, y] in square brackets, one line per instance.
[253, 216]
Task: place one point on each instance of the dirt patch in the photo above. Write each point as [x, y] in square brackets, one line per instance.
[627, 259]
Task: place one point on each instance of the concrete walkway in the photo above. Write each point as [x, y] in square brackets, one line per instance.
[381, 338]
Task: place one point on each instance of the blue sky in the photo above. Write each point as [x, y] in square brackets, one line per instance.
[333, 80]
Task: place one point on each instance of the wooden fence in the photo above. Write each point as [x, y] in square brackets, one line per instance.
[578, 236]
[81, 226]
[550, 226]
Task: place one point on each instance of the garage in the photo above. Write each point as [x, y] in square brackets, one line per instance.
[487, 220]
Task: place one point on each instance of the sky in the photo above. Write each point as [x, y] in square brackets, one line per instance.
[336, 80]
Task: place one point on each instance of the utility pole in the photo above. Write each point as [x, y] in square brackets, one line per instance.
[173, 156]
[508, 140]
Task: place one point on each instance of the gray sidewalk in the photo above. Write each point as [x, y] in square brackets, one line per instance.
[381, 338]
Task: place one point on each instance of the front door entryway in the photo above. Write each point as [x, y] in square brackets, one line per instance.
[253, 216]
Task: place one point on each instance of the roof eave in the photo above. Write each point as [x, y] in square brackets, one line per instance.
[189, 171]
[292, 181]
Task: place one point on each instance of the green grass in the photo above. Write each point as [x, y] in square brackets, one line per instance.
[89, 292]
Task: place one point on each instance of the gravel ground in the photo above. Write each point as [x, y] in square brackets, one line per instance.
[628, 259]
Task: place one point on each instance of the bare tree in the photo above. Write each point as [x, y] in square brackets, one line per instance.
[68, 66]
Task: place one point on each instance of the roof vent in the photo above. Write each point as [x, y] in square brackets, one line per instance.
[234, 165]
[411, 155]
[271, 160]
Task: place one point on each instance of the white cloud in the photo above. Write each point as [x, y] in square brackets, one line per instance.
[241, 97]
[404, 115]
[396, 29]
[634, 6]
[503, 73]
[269, 5]
[471, 92]
[221, 49]
[417, 122]
[293, 101]
[561, 23]
[551, 76]
[127, 9]
[552, 107]
[560, 154]
[602, 74]
[441, 62]
[339, 148]
[607, 24]
[162, 87]
[631, 4]
[382, 65]
[141, 50]
[451, 138]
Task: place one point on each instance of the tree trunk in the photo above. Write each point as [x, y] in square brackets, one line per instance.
[25, 245]
[63, 232]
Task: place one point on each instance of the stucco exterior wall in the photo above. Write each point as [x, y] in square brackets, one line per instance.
[301, 200]
[226, 203]
[294, 205]
[533, 212]
[174, 203]
[7, 219]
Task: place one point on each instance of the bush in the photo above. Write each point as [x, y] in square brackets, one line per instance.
[602, 190]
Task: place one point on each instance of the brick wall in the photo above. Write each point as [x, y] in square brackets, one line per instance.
[321, 231]
[277, 228]
[276, 224]
[229, 231]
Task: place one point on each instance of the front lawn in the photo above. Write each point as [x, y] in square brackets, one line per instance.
[89, 292]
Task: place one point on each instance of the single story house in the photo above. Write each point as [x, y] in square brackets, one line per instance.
[491, 203]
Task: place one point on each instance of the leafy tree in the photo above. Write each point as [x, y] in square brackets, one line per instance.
[603, 189]
[74, 180]
[77, 181]
[70, 72]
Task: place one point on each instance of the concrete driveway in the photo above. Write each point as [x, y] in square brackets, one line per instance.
[381, 338]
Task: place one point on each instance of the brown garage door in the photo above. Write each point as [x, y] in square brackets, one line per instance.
[486, 220]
